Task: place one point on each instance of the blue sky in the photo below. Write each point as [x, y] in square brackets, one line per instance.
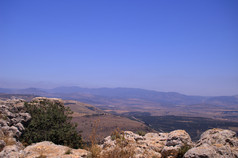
[186, 46]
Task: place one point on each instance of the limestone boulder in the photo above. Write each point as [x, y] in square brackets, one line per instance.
[38, 100]
[132, 136]
[51, 150]
[177, 140]
[12, 151]
[218, 136]
[202, 151]
[147, 146]
[13, 116]
[156, 141]
[217, 143]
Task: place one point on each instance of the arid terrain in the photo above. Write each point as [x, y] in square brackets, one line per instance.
[90, 118]
[138, 109]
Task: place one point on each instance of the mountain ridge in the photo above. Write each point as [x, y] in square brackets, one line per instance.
[169, 98]
[76, 89]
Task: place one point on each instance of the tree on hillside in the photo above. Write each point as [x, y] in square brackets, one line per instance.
[51, 122]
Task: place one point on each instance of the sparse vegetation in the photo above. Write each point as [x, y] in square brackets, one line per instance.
[8, 140]
[183, 150]
[95, 151]
[107, 125]
[94, 148]
[3, 116]
[123, 148]
[41, 156]
[68, 152]
[117, 134]
[51, 122]
[118, 152]
[141, 133]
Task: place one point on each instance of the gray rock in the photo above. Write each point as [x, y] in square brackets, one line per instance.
[132, 136]
[210, 152]
[215, 143]
[147, 146]
[20, 127]
[11, 151]
[177, 140]
[156, 141]
[15, 117]
[9, 114]
[38, 100]
[3, 123]
[205, 151]
[218, 136]
[11, 131]
[52, 150]
[25, 117]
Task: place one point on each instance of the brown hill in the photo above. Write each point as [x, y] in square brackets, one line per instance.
[105, 124]
[89, 117]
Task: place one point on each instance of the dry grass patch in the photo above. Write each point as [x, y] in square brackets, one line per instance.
[8, 140]
[119, 152]
[123, 148]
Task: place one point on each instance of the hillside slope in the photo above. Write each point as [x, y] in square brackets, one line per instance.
[89, 117]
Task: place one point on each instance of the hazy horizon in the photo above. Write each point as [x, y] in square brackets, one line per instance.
[48, 86]
[189, 47]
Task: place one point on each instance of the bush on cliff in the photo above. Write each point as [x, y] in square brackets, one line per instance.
[51, 122]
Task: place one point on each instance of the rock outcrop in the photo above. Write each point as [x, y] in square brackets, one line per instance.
[51, 150]
[10, 151]
[13, 117]
[215, 143]
[177, 141]
[43, 149]
[150, 145]
[12, 120]
[39, 100]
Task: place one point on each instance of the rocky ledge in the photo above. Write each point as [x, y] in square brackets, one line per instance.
[43, 150]
[12, 120]
[13, 117]
[214, 143]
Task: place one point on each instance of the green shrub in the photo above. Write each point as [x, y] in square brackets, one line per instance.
[183, 150]
[117, 134]
[68, 152]
[3, 116]
[141, 133]
[51, 122]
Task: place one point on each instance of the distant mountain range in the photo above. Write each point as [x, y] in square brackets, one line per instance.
[105, 95]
